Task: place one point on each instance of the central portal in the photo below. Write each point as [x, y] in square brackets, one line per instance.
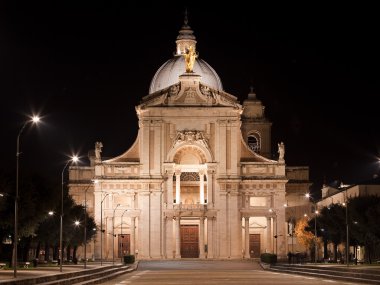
[189, 241]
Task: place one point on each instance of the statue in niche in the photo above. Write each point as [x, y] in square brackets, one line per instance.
[281, 151]
[98, 150]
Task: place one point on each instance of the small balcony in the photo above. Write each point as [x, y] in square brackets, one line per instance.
[187, 207]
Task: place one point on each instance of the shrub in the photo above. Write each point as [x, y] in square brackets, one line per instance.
[129, 259]
[268, 258]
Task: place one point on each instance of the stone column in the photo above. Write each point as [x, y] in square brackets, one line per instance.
[169, 190]
[210, 188]
[133, 235]
[201, 238]
[178, 238]
[201, 187]
[246, 228]
[169, 237]
[210, 237]
[178, 186]
[269, 246]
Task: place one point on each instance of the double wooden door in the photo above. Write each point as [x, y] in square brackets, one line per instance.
[189, 241]
[254, 245]
[124, 245]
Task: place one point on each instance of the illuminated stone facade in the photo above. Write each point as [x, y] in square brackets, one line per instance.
[191, 184]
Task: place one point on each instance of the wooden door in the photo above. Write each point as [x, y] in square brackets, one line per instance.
[124, 246]
[254, 245]
[189, 241]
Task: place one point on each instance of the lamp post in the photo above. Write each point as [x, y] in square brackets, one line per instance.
[101, 229]
[73, 159]
[113, 235]
[307, 195]
[35, 120]
[121, 234]
[347, 237]
[315, 234]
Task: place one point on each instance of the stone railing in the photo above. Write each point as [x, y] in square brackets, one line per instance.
[190, 206]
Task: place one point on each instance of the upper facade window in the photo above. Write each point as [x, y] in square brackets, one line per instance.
[254, 142]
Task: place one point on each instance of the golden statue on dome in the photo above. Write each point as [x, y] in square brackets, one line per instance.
[190, 56]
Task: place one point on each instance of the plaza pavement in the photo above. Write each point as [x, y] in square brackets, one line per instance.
[6, 276]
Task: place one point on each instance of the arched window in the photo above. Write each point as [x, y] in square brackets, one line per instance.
[254, 142]
[189, 176]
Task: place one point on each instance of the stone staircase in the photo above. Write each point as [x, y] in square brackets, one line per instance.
[354, 274]
[83, 277]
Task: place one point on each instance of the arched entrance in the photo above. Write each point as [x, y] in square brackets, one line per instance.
[190, 189]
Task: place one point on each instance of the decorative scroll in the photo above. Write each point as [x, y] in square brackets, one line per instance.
[173, 90]
[191, 137]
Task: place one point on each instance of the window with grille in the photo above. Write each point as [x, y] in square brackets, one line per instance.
[254, 142]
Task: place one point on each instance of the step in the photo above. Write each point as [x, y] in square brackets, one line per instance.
[105, 278]
[88, 276]
[329, 274]
[63, 277]
[343, 271]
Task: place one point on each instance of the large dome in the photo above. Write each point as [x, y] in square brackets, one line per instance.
[170, 71]
[168, 74]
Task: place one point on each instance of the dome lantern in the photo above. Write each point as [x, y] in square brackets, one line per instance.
[185, 38]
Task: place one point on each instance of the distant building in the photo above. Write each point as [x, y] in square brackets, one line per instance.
[332, 195]
[199, 180]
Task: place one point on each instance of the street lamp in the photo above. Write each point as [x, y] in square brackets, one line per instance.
[85, 224]
[307, 195]
[101, 229]
[73, 159]
[121, 234]
[347, 236]
[348, 240]
[34, 120]
[275, 236]
[113, 235]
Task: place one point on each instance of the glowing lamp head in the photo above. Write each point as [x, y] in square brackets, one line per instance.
[35, 119]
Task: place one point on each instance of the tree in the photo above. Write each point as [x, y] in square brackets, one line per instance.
[36, 197]
[7, 215]
[76, 236]
[36, 227]
[304, 237]
[364, 214]
[332, 220]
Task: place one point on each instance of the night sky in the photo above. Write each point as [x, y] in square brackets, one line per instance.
[84, 68]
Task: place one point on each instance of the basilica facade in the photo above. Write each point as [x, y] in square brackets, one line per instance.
[199, 181]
